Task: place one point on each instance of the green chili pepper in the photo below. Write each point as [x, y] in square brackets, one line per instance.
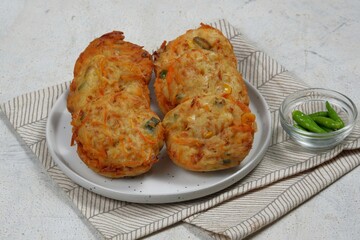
[81, 86]
[319, 114]
[162, 74]
[202, 43]
[299, 127]
[82, 115]
[327, 122]
[226, 161]
[179, 96]
[176, 116]
[151, 124]
[306, 122]
[333, 114]
[326, 129]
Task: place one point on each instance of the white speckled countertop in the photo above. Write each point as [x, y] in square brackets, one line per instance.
[317, 41]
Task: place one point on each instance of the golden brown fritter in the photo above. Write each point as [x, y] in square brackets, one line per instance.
[204, 37]
[209, 133]
[108, 64]
[90, 85]
[208, 124]
[198, 72]
[116, 133]
[113, 47]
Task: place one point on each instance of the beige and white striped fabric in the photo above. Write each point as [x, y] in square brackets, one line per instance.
[287, 176]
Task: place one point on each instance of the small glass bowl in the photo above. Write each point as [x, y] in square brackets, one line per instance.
[313, 100]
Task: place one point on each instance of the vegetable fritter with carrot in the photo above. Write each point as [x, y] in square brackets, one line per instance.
[208, 124]
[198, 72]
[209, 133]
[116, 132]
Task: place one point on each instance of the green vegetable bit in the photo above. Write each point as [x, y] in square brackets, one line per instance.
[151, 124]
[82, 85]
[202, 43]
[82, 115]
[179, 96]
[162, 74]
[226, 161]
[175, 116]
[306, 122]
[333, 115]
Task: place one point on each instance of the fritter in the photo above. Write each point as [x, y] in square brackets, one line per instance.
[113, 47]
[90, 84]
[204, 37]
[108, 64]
[209, 133]
[117, 135]
[198, 72]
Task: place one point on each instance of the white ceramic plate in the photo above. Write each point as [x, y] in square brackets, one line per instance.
[165, 182]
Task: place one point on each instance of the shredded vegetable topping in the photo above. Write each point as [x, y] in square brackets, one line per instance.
[208, 124]
[115, 131]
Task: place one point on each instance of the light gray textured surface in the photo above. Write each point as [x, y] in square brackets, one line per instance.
[318, 41]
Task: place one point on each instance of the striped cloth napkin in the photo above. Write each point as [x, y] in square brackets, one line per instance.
[287, 176]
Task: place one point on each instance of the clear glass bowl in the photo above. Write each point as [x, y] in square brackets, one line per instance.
[312, 100]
